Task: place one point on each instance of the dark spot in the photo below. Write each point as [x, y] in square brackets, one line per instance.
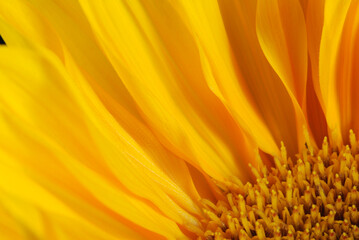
[2, 42]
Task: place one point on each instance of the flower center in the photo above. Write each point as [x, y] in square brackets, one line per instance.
[314, 197]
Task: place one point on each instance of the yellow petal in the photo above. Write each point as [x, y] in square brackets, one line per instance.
[11, 36]
[26, 203]
[175, 36]
[128, 121]
[10, 228]
[80, 126]
[224, 78]
[147, 66]
[245, 76]
[151, 164]
[54, 25]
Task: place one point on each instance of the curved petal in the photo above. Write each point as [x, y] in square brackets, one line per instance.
[346, 70]
[281, 31]
[335, 13]
[253, 76]
[116, 100]
[80, 126]
[58, 24]
[354, 76]
[314, 101]
[224, 78]
[282, 35]
[163, 83]
[10, 228]
[175, 36]
[29, 208]
[314, 20]
[314, 112]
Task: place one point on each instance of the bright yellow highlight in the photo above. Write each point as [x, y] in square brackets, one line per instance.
[147, 119]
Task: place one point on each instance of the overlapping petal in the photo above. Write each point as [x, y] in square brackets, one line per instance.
[224, 78]
[282, 34]
[116, 115]
[346, 68]
[29, 211]
[334, 17]
[162, 79]
[55, 24]
[59, 144]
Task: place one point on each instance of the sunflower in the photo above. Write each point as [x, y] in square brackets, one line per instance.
[177, 119]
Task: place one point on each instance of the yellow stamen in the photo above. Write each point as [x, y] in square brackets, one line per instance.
[355, 232]
[332, 235]
[325, 148]
[315, 197]
[260, 231]
[308, 142]
[283, 151]
[353, 142]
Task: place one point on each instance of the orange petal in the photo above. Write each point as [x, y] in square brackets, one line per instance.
[205, 22]
[280, 111]
[335, 13]
[282, 35]
[346, 69]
